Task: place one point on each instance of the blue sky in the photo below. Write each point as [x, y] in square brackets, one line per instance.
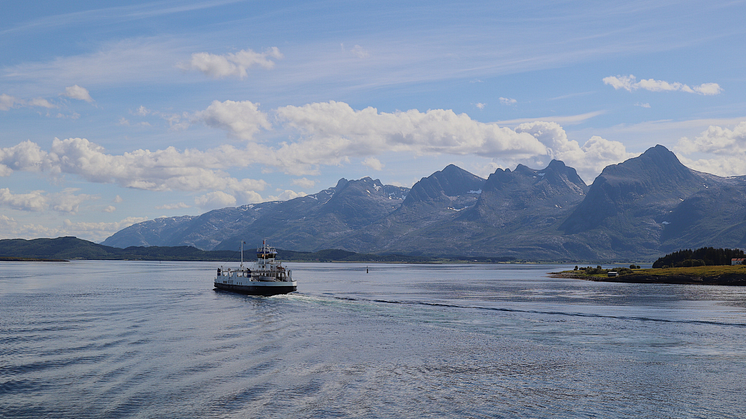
[113, 113]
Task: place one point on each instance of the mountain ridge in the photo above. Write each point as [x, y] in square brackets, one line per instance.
[634, 210]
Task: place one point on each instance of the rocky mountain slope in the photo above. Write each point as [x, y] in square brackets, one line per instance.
[635, 210]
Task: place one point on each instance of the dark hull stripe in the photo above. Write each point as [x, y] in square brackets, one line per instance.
[257, 290]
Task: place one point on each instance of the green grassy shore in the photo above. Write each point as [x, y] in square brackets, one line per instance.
[702, 275]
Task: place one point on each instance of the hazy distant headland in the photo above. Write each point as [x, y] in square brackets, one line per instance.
[72, 248]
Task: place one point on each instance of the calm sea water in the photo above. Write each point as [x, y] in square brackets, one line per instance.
[149, 339]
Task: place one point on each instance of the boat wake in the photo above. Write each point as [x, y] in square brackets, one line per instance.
[325, 299]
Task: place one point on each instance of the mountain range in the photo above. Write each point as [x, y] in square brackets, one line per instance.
[636, 210]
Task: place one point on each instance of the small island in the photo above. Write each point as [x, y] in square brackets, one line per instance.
[702, 275]
[705, 266]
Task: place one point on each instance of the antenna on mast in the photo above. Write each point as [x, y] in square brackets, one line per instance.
[242, 243]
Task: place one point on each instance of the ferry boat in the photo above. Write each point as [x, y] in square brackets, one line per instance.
[265, 277]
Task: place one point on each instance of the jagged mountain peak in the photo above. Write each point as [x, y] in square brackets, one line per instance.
[555, 185]
[647, 186]
[341, 184]
[657, 164]
[452, 181]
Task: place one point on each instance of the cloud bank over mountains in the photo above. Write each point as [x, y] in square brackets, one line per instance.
[322, 134]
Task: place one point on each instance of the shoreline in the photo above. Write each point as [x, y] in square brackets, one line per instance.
[20, 259]
[702, 275]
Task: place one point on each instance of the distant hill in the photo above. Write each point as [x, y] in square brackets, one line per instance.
[72, 248]
[636, 210]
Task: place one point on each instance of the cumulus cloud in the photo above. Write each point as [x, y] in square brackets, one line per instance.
[232, 64]
[34, 201]
[37, 201]
[26, 156]
[717, 150]
[7, 102]
[41, 102]
[304, 183]
[169, 169]
[110, 208]
[77, 92]
[125, 122]
[373, 163]
[9, 227]
[589, 159]
[68, 202]
[508, 101]
[332, 132]
[286, 195]
[241, 119]
[630, 83]
[178, 205]
[480, 105]
[215, 200]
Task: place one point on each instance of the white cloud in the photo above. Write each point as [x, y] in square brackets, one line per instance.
[110, 208]
[589, 160]
[359, 52]
[215, 200]
[40, 102]
[7, 102]
[34, 201]
[332, 132]
[179, 205]
[480, 105]
[118, 199]
[169, 169]
[26, 156]
[373, 163]
[68, 202]
[9, 227]
[73, 115]
[643, 105]
[565, 120]
[241, 119]
[304, 183]
[125, 122]
[630, 83]
[232, 64]
[96, 231]
[717, 150]
[142, 111]
[508, 101]
[286, 195]
[708, 89]
[77, 92]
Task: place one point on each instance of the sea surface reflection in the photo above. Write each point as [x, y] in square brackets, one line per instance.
[150, 339]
